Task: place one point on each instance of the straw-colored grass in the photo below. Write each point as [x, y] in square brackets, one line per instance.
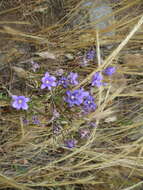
[31, 156]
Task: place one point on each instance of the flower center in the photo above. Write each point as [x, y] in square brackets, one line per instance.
[88, 102]
[19, 101]
[72, 97]
[47, 82]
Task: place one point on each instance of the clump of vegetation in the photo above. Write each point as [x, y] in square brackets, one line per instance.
[80, 125]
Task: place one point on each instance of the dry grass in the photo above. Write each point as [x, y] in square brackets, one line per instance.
[31, 156]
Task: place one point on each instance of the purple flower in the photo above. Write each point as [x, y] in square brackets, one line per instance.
[89, 104]
[35, 66]
[97, 79]
[72, 78]
[70, 143]
[20, 102]
[92, 124]
[63, 81]
[75, 97]
[110, 70]
[25, 121]
[56, 115]
[90, 55]
[84, 133]
[35, 120]
[57, 129]
[48, 81]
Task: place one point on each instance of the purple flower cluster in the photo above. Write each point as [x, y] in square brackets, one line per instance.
[80, 97]
[90, 55]
[77, 97]
[70, 143]
[110, 71]
[49, 81]
[97, 79]
[71, 79]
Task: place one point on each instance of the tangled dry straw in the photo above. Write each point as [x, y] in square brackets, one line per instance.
[31, 157]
